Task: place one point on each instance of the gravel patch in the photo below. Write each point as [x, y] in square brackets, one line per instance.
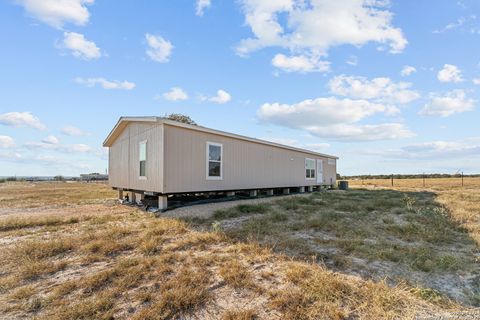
[206, 210]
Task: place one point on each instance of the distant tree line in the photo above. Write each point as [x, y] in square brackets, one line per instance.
[56, 178]
[2, 180]
[405, 176]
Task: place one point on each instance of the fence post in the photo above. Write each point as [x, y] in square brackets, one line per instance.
[462, 178]
[424, 179]
[392, 180]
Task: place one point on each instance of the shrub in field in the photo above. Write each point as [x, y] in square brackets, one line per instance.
[409, 202]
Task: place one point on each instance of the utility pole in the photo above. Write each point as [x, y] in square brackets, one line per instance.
[462, 178]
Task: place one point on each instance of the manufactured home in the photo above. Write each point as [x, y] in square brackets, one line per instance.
[154, 156]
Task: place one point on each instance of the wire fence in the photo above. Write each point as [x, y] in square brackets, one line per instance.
[418, 182]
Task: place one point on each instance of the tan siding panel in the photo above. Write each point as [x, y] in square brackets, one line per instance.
[246, 165]
[124, 158]
[118, 161]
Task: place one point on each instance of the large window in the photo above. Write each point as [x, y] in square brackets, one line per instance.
[143, 159]
[214, 161]
[310, 168]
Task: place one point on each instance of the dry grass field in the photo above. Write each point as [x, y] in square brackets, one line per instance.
[425, 238]
[69, 251]
[462, 202]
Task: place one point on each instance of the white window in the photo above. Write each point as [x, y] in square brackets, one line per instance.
[142, 156]
[310, 168]
[214, 161]
[331, 162]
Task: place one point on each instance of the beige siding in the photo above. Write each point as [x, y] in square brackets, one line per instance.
[329, 171]
[124, 158]
[246, 165]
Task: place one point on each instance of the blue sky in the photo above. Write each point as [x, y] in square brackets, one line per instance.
[388, 86]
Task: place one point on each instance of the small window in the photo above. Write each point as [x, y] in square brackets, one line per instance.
[331, 162]
[214, 160]
[310, 168]
[143, 158]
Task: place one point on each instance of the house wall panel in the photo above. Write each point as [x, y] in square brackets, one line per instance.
[124, 158]
[246, 164]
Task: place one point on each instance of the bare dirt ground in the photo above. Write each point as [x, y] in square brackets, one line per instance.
[82, 257]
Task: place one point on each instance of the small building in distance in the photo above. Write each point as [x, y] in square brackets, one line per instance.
[158, 157]
[93, 177]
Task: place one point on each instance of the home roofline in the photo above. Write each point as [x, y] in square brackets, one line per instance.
[123, 121]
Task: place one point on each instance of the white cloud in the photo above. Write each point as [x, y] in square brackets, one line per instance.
[312, 28]
[285, 141]
[21, 119]
[11, 156]
[295, 143]
[56, 164]
[106, 84]
[450, 73]
[66, 148]
[463, 24]
[73, 131]
[378, 89]
[433, 150]
[221, 97]
[453, 102]
[368, 132]
[76, 148]
[317, 146]
[51, 140]
[407, 70]
[300, 63]
[80, 47]
[159, 49]
[6, 142]
[201, 6]
[57, 12]
[175, 94]
[476, 81]
[453, 25]
[352, 60]
[39, 145]
[333, 118]
[318, 112]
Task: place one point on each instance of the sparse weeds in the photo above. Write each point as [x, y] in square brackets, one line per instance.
[23, 293]
[248, 314]
[130, 264]
[235, 274]
[409, 229]
[95, 307]
[52, 194]
[320, 294]
[16, 223]
[431, 295]
[409, 202]
[241, 210]
[184, 293]
[216, 226]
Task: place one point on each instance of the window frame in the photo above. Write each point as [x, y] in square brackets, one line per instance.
[139, 161]
[207, 158]
[314, 169]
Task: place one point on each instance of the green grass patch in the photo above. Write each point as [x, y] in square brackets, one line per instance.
[241, 210]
